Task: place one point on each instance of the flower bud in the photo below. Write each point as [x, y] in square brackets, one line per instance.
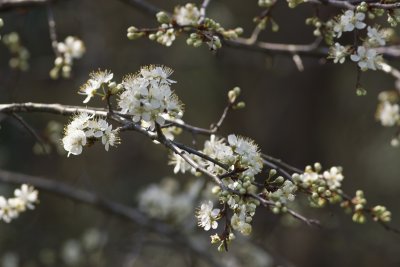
[162, 17]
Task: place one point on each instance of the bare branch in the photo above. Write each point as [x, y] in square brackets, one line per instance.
[10, 4]
[30, 131]
[52, 30]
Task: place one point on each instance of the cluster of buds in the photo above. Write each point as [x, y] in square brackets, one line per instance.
[323, 187]
[20, 55]
[280, 191]
[72, 48]
[186, 19]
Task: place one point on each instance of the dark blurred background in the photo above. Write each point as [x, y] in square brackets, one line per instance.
[301, 117]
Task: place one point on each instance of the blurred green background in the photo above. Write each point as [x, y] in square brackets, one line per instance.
[301, 117]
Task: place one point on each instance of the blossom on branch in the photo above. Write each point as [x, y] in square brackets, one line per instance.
[24, 198]
[207, 216]
[148, 96]
[85, 129]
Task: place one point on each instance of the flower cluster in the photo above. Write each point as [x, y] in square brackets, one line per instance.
[24, 198]
[323, 187]
[348, 22]
[367, 58]
[72, 48]
[20, 55]
[188, 14]
[188, 19]
[85, 129]
[243, 157]
[148, 96]
[166, 202]
[284, 193]
[365, 55]
[388, 112]
[207, 216]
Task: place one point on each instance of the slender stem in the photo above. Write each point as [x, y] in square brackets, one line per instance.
[52, 30]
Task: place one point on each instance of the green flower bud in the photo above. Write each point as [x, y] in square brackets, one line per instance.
[162, 17]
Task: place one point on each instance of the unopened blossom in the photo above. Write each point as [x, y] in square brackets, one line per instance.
[348, 22]
[207, 216]
[338, 53]
[333, 177]
[367, 58]
[187, 15]
[388, 114]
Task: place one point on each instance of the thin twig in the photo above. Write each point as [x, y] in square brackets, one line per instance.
[52, 30]
[31, 131]
[203, 10]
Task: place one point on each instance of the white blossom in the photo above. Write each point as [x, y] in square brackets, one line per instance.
[218, 150]
[248, 154]
[285, 193]
[239, 222]
[27, 194]
[207, 216]
[84, 127]
[166, 36]
[338, 53]
[110, 138]
[367, 58]
[389, 114]
[72, 47]
[333, 177]
[187, 15]
[375, 37]
[71, 252]
[148, 96]
[348, 22]
[74, 142]
[180, 164]
[96, 81]
[164, 201]
[24, 198]
[309, 176]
